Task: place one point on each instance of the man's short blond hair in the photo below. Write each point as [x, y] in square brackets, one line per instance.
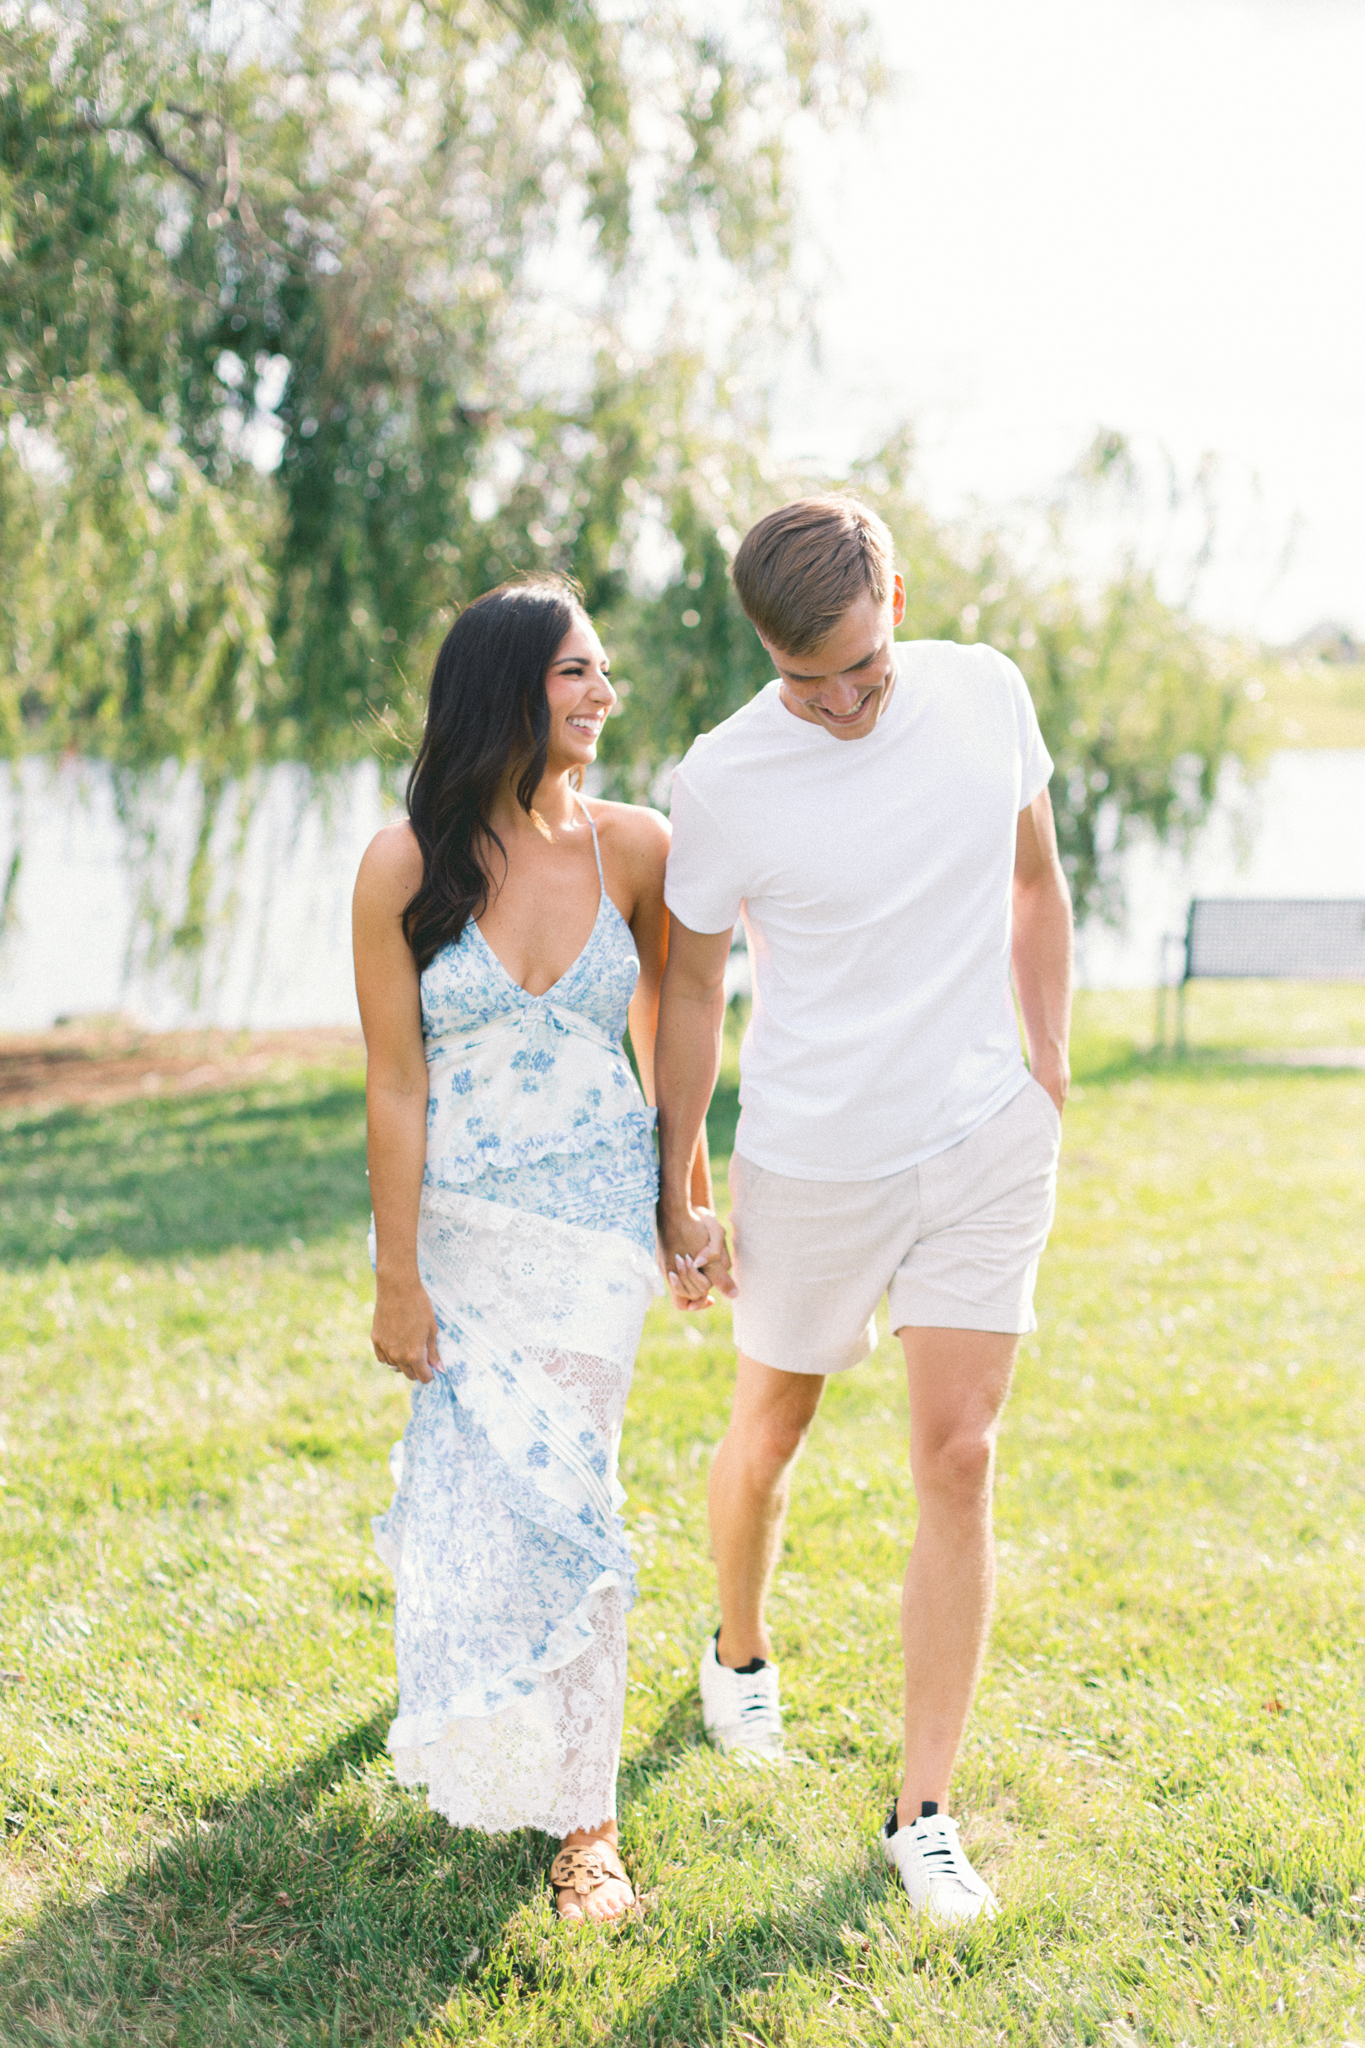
[798, 571]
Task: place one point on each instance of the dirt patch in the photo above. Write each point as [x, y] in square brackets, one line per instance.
[93, 1063]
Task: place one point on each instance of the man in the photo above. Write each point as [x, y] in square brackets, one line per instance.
[879, 816]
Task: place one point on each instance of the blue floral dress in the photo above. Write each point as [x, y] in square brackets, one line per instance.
[536, 1245]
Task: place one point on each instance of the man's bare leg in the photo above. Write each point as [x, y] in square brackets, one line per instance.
[750, 1486]
[958, 1383]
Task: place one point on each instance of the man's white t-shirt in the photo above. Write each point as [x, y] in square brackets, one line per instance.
[874, 878]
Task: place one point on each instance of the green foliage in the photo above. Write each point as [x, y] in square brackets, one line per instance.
[341, 233]
[1162, 1778]
[1141, 708]
[404, 246]
[689, 657]
[137, 596]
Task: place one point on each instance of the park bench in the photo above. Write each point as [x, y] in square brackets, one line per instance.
[1263, 938]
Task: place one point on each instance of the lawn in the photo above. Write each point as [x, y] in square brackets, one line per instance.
[1314, 704]
[1163, 1779]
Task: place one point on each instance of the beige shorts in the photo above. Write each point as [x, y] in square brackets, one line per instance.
[953, 1243]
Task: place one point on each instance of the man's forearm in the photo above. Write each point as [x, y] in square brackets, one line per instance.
[686, 1063]
[1043, 971]
[703, 1193]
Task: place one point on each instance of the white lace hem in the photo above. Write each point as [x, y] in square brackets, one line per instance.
[549, 1760]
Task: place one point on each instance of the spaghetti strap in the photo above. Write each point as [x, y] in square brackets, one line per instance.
[601, 878]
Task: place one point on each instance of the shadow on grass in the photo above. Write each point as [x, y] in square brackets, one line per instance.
[532, 1985]
[677, 1735]
[196, 1174]
[330, 1906]
[199, 1174]
[706, 2001]
[1101, 1063]
[322, 1908]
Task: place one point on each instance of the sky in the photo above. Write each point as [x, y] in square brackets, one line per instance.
[1147, 215]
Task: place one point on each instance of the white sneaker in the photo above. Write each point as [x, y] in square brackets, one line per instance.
[740, 1709]
[932, 1865]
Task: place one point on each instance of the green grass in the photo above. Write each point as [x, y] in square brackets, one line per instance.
[1313, 704]
[1163, 1778]
[1225, 1022]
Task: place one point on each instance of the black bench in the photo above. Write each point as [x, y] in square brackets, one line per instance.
[1264, 938]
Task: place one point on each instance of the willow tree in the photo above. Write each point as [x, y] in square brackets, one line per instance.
[309, 333]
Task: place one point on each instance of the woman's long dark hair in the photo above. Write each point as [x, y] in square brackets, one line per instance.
[487, 712]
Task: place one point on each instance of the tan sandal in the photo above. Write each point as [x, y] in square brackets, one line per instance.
[583, 1869]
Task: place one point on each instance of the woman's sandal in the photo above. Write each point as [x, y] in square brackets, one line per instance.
[583, 1869]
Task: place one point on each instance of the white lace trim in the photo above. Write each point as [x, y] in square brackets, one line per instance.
[550, 1760]
[570, 1240]
[574, 1638]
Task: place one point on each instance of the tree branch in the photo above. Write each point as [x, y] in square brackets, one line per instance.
[144, 126]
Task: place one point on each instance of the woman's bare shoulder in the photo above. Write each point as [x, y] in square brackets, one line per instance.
[392, 863]
[640, 833]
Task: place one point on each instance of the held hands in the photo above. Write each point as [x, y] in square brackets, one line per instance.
[695, 1258]
[404, 1332]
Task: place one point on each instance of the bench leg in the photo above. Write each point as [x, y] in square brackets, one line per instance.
[1180, 1018]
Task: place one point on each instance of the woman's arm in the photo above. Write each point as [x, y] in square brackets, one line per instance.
[649, 927]
[644, 843]
[404, 1330]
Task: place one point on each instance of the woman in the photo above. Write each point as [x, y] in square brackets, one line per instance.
[503, 935]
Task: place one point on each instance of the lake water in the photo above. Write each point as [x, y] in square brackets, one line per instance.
[277, 951]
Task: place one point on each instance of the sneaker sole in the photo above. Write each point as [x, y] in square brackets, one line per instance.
[746, 1752]
[989, 1909]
